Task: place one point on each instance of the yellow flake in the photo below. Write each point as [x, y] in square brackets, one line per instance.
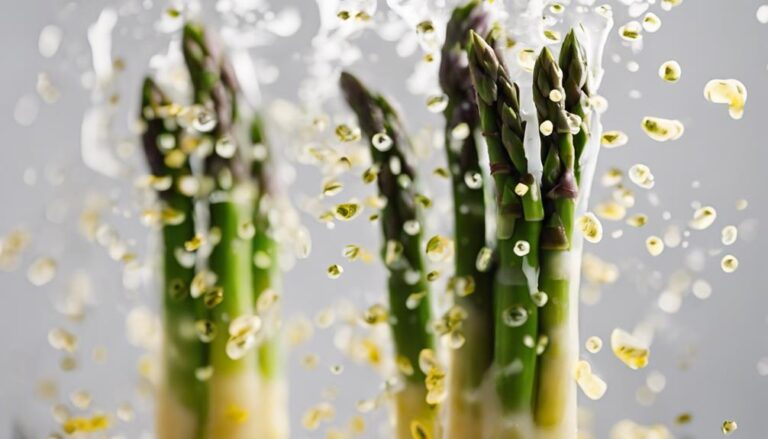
[667, 5]
[526, 59]
[61, 339]
[376, 314]
[521, 189]
[95, 423]
[629, 349]
[592, 385]
[437, 103]
[727, 91]
[641, 175]
[334, 271]
[612, 177]
[345, 133]
[194, 243]
[461, 131]
[237, 414]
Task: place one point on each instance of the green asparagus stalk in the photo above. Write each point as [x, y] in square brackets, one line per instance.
[556, 398]
[471, 362]
[520, 213]
[182, 399]
[577, 90]
[402, 254]
[234, 386]
[266, 285]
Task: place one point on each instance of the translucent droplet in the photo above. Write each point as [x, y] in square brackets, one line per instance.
[514, 316]
[637, 220]
[670, 71]
[376, 314]
[225, 147]
[203, 119]
[614, 139]
[641, 175]
[727, 91]
[382, 142]
[461, 131]
[729, 427]
[522, 248]
[729, 235]
[42, 271]
[654, 245]
[539, 298]
[632, 31]
[651, 22]
[439, 248]
[729, 263]
[762, 14]
[412, 227]
[473, 180]
[483, 261]
[611, 210]
[437, 103]
[49, 41]
[594, 344]
[334, 271]
[347, 211]
[345, 133]
[546, 127]
[593, 386]
[526, 59]
[629, 349]
[662, 130]
[206, 330]
[703, 218]
[590, 227]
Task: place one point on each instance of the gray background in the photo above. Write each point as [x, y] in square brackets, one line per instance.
[710, 39]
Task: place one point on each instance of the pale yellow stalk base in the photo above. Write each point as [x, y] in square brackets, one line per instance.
[273, 416]
[173, 420]
[411, 408]
[234, 406]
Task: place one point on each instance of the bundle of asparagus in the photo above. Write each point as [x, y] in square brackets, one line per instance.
[518, 315]
[536, 333]
[221, 380]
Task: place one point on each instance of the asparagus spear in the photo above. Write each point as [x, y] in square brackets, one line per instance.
[234, 385]
[520, 212]
[182, 401]
[471, 362]
[577, 90]
[266, 281]
[401, 253]
[555, 400]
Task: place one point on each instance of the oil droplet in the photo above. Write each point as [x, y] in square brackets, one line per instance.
[515, 316]
[729, 427]
[703, 218]
[729, 235]
[334, 271]
[654, 245]
[614, 139]
[594, 344]
[662, 130]
[629, 349]
[727, 91]
[590, 227]
[641, 175]
[437, 103]
[670, 71]
[382, 142]
[729, 263]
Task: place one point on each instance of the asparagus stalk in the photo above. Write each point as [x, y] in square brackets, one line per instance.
[401, 253]
[520, 212]
[266, 280]
[556, 398]
[182, 397]
[471, 362]
[234, 386]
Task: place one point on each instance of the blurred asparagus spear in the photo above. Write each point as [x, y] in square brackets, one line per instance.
[182, 399]
[234, 386]
[402, 254]
[472, 284]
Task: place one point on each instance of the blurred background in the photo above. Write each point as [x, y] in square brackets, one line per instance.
[710, 349]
